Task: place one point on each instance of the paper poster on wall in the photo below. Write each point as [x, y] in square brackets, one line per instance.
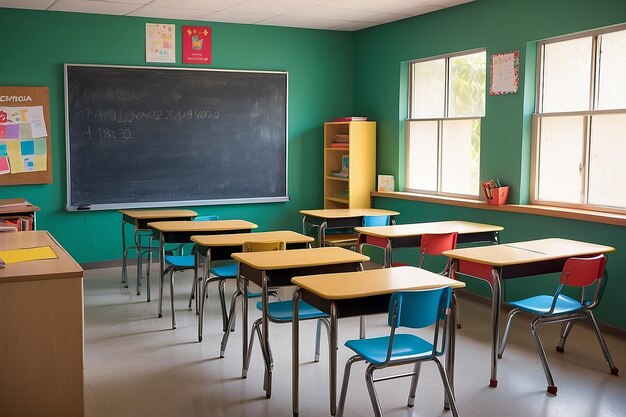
[22, 122]
[196, 45]
[160, 42]
[504, 73]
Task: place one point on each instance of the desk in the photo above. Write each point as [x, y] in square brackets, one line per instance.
[139, 219]
[216, 247]
[181, 232]
[513, 260]
[338, 219]
[410, 235]
[355, 294]
[275, 269]
[41, 323]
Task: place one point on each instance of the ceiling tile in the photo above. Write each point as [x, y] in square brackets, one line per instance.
[96, 7]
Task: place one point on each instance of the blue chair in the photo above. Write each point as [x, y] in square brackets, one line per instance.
[177, 261]
[347, 238]
[413, 309]
[559, 308]
[278, 312]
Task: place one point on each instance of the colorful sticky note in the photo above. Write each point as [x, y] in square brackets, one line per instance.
[3, 150]
[13, 131]
[4, 165]
[29, 163]
[3, 131]
[40, 146]
[25, 131]
[40, 163]
[27, 147]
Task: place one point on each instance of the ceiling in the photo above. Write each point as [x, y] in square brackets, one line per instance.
[346, 15]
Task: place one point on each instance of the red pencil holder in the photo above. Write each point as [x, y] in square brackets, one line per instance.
[498, 196]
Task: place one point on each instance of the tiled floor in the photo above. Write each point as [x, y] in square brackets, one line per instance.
[136, 366]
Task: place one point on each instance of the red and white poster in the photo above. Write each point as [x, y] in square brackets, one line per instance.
[196, 45]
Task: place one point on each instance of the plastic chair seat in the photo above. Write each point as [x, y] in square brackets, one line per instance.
[180, 261]
[540, 304]
[405, 347]
[283, 311]
[226, 270]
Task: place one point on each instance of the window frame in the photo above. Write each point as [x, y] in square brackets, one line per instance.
[440, 121]
[587, 122]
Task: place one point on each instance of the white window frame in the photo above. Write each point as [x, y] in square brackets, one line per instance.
[440, 122]
[587, 121]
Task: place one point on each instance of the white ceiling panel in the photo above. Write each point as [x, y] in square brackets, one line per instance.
[345, 15]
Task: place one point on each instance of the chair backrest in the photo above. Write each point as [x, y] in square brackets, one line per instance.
[265, 246]
[582, 272]
[418, 309]
[206, 218]
[382, 220]
[435, 243]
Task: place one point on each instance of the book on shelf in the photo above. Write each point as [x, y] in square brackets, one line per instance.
[14, 202]
[339, 145]
[350, 119]
[342, 138]
[17, 223]
[339, 174]
[7, 227]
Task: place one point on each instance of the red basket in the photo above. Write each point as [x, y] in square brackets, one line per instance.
[498, 196]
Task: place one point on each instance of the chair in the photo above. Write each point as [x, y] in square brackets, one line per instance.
[346, 238]
[278, 312]
[416, 310]
[559, 308]
[181, 262]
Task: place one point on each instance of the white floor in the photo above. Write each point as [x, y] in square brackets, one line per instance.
[136, 365]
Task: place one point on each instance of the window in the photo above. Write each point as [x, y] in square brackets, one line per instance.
[579, 143]
[446, 102]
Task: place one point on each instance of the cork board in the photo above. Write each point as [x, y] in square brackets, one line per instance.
[25, 145]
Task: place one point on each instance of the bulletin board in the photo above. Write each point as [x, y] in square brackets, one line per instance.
[25, 149]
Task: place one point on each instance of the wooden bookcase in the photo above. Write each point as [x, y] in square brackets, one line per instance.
[354, 190]
[16, 209]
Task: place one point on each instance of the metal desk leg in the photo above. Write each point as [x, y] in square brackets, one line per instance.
[244, 322]
[124, 255]
[495, 322]
[161, 271]
[295, 354]
[332, 347]
[450, 348]
[266, 341]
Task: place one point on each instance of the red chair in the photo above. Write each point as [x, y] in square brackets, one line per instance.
[559, 308]
[434, 243]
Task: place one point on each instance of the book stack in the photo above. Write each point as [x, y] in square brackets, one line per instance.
[21, 223]
[350, 119]
[341, 140]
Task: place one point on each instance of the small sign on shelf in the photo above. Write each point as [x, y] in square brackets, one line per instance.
[386, 183]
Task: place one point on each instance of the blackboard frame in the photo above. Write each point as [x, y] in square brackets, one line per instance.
[73, 205]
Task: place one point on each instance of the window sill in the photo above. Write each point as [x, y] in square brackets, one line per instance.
[560, 212]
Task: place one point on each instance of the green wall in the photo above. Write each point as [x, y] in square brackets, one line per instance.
[380, 56]
[36, 44]
[330, 74]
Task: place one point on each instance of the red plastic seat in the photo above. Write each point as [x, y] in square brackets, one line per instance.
[559, 308]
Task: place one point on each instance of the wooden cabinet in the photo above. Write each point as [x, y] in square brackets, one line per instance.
[349, 164]
[18, 212]
[41, 328]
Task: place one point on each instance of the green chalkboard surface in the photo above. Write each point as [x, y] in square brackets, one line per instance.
[158, 137]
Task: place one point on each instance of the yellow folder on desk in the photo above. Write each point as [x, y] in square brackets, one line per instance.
[27, 254]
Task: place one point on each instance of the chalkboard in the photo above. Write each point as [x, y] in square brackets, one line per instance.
[158, 137]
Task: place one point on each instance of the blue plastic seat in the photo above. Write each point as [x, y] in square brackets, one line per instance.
[412, 309]
[347, 238]
[559, 308]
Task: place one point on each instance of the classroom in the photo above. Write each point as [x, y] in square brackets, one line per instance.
[329, 74]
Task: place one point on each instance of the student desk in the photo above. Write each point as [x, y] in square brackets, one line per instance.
[359, 293]
[139, 219]
[410, 235]
[513, 260]
[181, 232]
[218, 247]
[325, 219]
[41, 328]
[276, 268]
